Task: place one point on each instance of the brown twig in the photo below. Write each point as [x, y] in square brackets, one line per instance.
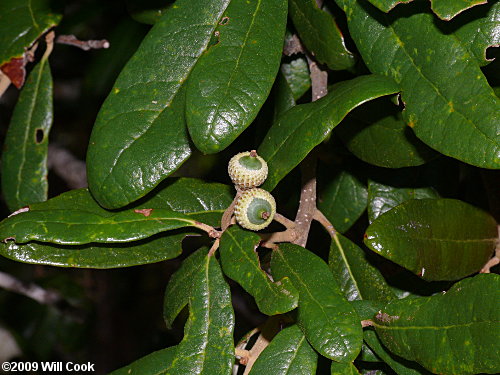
[228, 214]
[49, 39]
[367, 323]
[496, 258]
[4, 83]
[319, 79]
[321, 218]
[214, 247]
[293, 45]
[267, 331]
[67, 166]
[35, 292]
[307, 204]
[287, 223]
[86, 45]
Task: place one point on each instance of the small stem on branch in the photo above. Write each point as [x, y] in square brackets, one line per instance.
[228, 214]
[366, 323]
[321, 218]
[289, 224]
[214, 247]
[86, 45]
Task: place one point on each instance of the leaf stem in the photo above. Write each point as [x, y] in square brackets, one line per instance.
[321, 218]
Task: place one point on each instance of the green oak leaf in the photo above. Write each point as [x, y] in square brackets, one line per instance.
[199, 200]
[207, 346]
[357, 278]
[480, 31]
[180, 285]
[438, 239]
[24, 158]
[342, 197]
[446, 10]
[152, 364]
[320, 34]
[304, 126]
[400, 365]
[233, 78]
[448, 102]
[330, 324]
[297, 75]
[377, 134]
[287, 353]
[383, 197]
[140, 135]
[454, 332]
[337, 368]
[240, 262]
[387, 5]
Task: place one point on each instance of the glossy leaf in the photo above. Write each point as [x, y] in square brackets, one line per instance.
[330, 324]
[446, 10]
[367, 354]
[448, 101]
[233, 78]
[147, 11]
[384, 197]
[337, 368]
[283, 96]
[357, 278]
[77, 227]
[154, 249]
[180, 285]
[482, 31]
[387, 5]
[377, 134]
[140, 136]
[22, 22]
[24, 158]
[400, 365]
[305, 126]
[297, 75]
[320, 34]
[438, 239]
[455, 332]
[288, 353]
[342, 197]
[199, 200]
[152, 364]
[240, 262]
[375, 350]
[207, 346]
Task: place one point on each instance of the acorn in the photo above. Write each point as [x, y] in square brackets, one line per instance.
[247, 170]
[255, 209]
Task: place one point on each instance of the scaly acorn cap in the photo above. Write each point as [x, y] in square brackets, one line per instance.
[255, 209]
[247, 170]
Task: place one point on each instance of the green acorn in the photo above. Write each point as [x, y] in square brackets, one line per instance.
[255, 209]
[247, 170]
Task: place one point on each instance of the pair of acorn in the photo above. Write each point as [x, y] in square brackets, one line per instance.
[254, 208]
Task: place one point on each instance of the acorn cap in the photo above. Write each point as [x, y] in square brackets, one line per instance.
[247, 170]
[255, 209]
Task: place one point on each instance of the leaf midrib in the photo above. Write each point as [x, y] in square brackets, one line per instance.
[28, 128]
[260, 272]
[321, 306]
[226, 89]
